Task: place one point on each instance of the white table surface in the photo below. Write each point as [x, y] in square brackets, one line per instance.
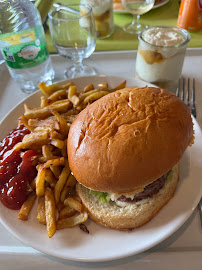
[182, 250]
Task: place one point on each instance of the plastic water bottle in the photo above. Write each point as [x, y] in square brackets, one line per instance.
[23, 45]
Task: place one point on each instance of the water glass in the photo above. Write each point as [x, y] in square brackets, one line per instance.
[136, 8]
[73, 33]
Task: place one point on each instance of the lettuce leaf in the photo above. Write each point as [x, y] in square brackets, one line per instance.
[104, 197]
[170, 175]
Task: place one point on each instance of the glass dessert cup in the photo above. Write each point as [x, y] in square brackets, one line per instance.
[160, 55]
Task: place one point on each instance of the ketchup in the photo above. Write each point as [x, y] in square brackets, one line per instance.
[16, 169]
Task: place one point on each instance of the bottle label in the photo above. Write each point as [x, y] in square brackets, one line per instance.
[24, 49]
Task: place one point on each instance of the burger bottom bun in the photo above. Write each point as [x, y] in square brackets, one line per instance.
[134, 214]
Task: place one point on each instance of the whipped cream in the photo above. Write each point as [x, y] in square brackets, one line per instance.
[163, 37]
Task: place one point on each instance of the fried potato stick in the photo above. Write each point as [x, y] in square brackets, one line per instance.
[50, 212]
[72, 221]
[27, 206]
[41, 215]
[61, 182]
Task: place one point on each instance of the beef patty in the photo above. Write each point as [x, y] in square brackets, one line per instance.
[148, 191]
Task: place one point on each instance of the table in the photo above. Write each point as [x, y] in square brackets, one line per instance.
[120, 40]
[182, 250]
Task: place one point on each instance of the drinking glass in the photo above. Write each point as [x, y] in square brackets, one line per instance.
[137, 8]
[73, 33]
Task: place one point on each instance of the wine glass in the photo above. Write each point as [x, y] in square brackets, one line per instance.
[137, 8]
[73, 33]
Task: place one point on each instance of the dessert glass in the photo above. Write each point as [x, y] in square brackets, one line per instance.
[161, 54]
[103, 15]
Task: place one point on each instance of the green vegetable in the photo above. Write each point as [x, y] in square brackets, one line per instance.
[170, 175]
[103, 196]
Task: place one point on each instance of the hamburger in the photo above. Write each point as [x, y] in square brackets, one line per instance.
[124, 151]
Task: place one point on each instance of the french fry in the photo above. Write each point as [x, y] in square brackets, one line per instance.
[24, 121]
[50, 178]
[60, 94]
[48, 123]
[44, 101]
[27, 206]
[40, 181]
[41, 113]
[58, 143]
[71, 182]
[34, 140]
[61, 182]
[72, 91]
[47, 153]
[67, 85]
[73, 203]
[69, 119]
[26, 107]
[120, 86]
[75, 100]
[72, 221]
[48, 90]
[88, 88]
[60, 206]
[41, 215]
[56, 171]
[50, 212]
[72, 111]
[66, 212]
[83, 96]
[54, 162]
[72, 95]
[103, 86]
[63, 124]
[94, 96]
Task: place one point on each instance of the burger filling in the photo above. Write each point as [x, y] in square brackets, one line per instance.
[122, 200]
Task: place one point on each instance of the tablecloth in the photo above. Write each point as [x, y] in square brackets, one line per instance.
[120, 40]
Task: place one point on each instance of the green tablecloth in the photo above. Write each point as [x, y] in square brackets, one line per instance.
[119, 40]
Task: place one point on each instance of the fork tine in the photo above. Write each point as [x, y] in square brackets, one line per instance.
[183, 89]
[188, 91]
[193, 110]
[178, 89]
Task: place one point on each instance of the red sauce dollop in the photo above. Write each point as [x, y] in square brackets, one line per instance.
[16, 169]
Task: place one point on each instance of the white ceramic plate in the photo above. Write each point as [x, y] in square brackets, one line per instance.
[157, 5]
[105, 244]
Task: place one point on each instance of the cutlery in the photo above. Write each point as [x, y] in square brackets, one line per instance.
[182, 90]
[200, 210]
[187, 93]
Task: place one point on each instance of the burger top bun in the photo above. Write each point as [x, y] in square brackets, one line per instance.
[128, 139]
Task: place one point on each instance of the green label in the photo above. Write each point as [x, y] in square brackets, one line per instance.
[24, 49]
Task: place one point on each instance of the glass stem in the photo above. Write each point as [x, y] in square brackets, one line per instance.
[79, 64]
[135, 19]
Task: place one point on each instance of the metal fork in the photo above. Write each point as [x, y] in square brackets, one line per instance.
[182, 90]
[186, 91]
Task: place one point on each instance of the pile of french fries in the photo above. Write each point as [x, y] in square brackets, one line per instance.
[54, 186]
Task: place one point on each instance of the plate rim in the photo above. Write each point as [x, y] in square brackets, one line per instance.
[110, 258]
